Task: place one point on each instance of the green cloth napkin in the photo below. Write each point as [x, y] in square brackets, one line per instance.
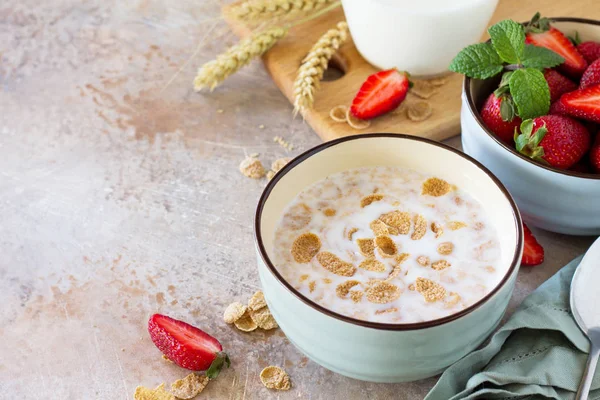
[539, 353]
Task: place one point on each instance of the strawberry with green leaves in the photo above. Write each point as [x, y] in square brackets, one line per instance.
[554, 140]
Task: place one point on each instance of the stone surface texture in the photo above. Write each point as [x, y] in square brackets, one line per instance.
[120, 196]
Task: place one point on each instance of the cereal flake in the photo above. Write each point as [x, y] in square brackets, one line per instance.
[430, 290]
[490, 269]
[257, 301]
[356, 123]
[445, 248]
[246, 323]
[423, 261]
[440, 265]
[366, 247]
[311, 286]
[275, 378]
[437, 229]
[386, 246]
[343, 288]
[419, 111]
[356, 295]
[333, 264]
[327, 281]
[303, 277]
[263, 318]
[367, 200]
[329, 212]
[280, 163]
[189, 387]
[379, 228]
[382, 292]
[456, 225]
[397, 219]
[351, 232]
[252, 168]
[143, 393]
[453, 299]
[233, 312]
[386, 311]
[305, 247]
[338, 113]
[420, 227]
[435, 187]
[298, 217]
[270, 175]
[371, 264]
[422, 89]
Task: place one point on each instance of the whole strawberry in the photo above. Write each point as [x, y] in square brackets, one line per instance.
[500, 118]
[591, 76]
[558, 84]
[595, 155]
[187, 346]
[589, 50]
[553, 139]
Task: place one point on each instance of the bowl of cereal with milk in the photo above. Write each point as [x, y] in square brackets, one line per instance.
[387, 257]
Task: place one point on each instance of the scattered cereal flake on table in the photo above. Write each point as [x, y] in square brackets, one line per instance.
[366, 246]
[143, 393]
[343, 288]
[367, 200]
[419, 111]
[420, 227]
[356, 123]
[261, 126]
[437, 229]
[257, 301]
[379, 228]
[445, 248]
[456, 225]
[422, 89]
[305, 247]
[371, 264]
[430, 290]
[423, 261]
[275, 378]
[246, 323]
[435, 187]
[382, 292]
[399, 220]
[440, 265]
[438, 81]
[333, 264]
[264, 319]
[338, 113]
[252, 168]
[329, 212]
[453, 299]
[280, 163]
[351, 232]
[386, 246]
[189, 387]
[233, 312]
[270, 175]
[283, 143]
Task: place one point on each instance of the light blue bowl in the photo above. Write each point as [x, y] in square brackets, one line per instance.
[372, 351]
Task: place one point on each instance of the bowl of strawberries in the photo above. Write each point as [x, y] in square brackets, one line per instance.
[531, 114]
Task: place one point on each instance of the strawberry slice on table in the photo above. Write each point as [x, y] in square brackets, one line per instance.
[589, 50]
[591, 76]
[533, 252]
[553, 139]
[540, 33]
[582, 103]
[498, 122]
[558, 84]
[380, 93]
[187, 346]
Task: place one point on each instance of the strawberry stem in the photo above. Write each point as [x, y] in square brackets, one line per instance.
[217, 365]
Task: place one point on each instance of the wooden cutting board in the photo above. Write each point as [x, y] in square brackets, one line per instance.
[282, 62]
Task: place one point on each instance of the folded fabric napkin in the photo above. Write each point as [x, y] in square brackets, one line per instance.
[539, 353]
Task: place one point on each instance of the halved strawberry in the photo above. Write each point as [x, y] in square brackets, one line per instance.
[583, 103]
[187, 346]
[380, 93]
[589, 50]
[540, 33]
[591, 76]
[558, 84]
[533, 252]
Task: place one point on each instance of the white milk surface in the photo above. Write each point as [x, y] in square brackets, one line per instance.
[474, 261]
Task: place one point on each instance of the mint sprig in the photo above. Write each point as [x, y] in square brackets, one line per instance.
[524, 86]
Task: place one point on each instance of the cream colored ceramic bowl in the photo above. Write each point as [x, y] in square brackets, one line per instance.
[550, 198]
[375, 351]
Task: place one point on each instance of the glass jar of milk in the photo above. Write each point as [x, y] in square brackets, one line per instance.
[417, 36]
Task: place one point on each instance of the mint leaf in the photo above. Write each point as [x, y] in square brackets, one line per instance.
[477, 61]
[508, 38]
[540, 57]
[530, 92]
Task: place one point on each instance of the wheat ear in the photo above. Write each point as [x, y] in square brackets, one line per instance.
[314, 65]
[261, 10]
[214, 72]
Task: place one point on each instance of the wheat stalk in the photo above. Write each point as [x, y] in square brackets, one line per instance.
[260, 10]
[214, 72]
[314, 65]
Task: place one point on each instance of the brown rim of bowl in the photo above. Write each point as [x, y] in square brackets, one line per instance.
[378, 325]
[475, 113]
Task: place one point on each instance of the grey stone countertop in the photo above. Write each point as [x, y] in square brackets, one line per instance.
[120, 196]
